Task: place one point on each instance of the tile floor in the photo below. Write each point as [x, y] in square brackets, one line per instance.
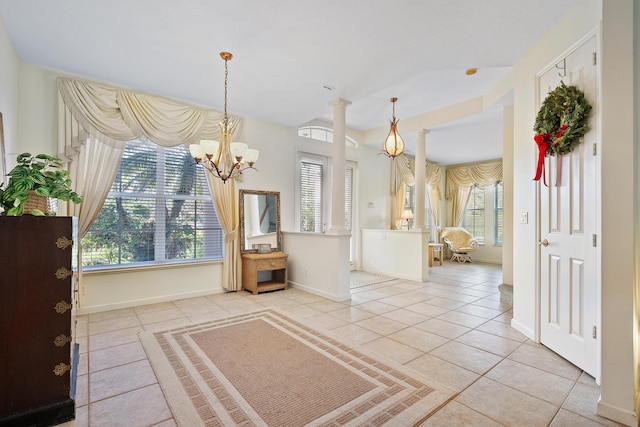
[453, 328]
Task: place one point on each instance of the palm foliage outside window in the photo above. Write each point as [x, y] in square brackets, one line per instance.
[159, 210]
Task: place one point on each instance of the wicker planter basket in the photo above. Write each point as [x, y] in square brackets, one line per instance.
[45, 204]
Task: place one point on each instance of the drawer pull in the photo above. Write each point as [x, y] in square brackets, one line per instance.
[61, 369]
[61, 340]
[62, 307]
[63, 243]
[62, 273]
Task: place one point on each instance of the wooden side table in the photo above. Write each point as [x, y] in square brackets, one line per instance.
[435, 248]
[252, 263]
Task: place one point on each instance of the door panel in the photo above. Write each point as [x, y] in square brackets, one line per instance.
[568, 222]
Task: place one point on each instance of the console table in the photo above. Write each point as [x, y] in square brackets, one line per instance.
[435, 249]
[252, 263]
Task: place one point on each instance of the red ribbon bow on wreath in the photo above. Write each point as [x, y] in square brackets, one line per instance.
[543, 142]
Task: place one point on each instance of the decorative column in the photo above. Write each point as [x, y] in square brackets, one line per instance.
[420, 165]
[338, 154]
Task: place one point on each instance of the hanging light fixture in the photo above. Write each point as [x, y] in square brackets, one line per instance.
[224, 159]
[394, 145]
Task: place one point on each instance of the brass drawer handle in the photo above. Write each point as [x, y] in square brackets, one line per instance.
[61, 340]
[62, 273]
[62, 307]
[63, 243]
[61, 368]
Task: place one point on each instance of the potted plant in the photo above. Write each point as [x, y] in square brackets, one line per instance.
[40, 176]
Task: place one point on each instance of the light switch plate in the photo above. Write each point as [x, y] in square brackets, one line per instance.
[524, 218]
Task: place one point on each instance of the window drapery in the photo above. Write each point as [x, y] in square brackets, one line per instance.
[111, 116]
[402, 175]
[461, 178]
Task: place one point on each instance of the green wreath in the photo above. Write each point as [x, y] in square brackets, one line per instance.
[562, 120]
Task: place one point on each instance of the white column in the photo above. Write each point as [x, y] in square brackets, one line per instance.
[420, 164]
[338, 154]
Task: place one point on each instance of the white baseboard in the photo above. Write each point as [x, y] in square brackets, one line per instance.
[529, 333]
[136, 303]
[332, 297]
[622, 416]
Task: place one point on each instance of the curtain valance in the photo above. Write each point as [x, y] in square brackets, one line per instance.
[483, 173]
[404, 167]
[114, 115]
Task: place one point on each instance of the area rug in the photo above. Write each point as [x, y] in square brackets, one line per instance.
[267, 369]
[363, 278]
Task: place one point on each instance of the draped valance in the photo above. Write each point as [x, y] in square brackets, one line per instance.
[404, 172]
[463, 176]
[114, 115]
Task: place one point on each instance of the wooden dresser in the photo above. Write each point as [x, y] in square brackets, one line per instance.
[36, 300]
[253, 263]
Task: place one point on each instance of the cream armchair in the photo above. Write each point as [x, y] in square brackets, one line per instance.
[460, 242]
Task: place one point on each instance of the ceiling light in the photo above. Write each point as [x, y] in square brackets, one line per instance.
[393, 145]
[224, 159]
[471, 71]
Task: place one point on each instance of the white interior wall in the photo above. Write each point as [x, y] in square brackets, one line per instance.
[9, 65]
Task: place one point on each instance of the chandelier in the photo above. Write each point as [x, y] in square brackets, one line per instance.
[394, 145]
[224, 159]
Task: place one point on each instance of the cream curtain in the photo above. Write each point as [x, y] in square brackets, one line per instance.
[402, 172]
[224, 196]
[461, 178]
[112, 116]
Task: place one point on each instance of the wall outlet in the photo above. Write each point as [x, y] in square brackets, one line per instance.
[524, 218]
[370, 204]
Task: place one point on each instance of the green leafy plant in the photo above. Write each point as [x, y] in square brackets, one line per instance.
[41, 173]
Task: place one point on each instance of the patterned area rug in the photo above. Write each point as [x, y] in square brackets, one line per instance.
[266, 369]
[362, 278]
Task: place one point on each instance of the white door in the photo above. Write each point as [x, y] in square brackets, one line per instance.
[568, 240]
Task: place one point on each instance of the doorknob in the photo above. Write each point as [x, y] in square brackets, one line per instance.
[544, 243]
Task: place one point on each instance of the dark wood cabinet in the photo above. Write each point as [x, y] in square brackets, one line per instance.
[36, 300]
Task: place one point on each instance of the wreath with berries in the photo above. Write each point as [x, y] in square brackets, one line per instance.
[562, 121]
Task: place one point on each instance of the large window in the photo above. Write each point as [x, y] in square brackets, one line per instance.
[314, 193]
[474, 215]
[498, 215]
[158, 210]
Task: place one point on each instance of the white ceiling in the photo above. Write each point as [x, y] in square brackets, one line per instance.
[286, 51]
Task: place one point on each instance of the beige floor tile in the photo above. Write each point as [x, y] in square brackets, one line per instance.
[502, 330]
[138, 408]
[376, 307]
[156, 316]
[565, 418]
[506, 405]
[541, 357]
[323, 321]
[452, 376]
[464, 319]
[418, 339]
[115, 356]
[381, 325]
[326, 306]
[460, 296]
[443, 328]
[111, 314]
[114, 338]
[543, 385]
[447, 303]
[457, 415]
[583, 400]
[407, 317]
[83, 364]
[161, 306]
[356, 334]
[115, 324]
[427, 309]
[506, 317]
[393, 350]
[398, 301]
[489, 342]
[467, 357]
[490, 303]
[112, 382]
[82, 390]
[476, 310]
[168, 324]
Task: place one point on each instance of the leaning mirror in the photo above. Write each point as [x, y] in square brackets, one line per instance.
[259, 220]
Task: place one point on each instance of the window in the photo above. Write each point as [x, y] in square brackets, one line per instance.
[474, 215]
[409, 197]
[324, 134]
[498, 200]
[314, 197]
[312, 194]
[158, 210]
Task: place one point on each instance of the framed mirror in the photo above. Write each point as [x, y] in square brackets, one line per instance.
[259, 220]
